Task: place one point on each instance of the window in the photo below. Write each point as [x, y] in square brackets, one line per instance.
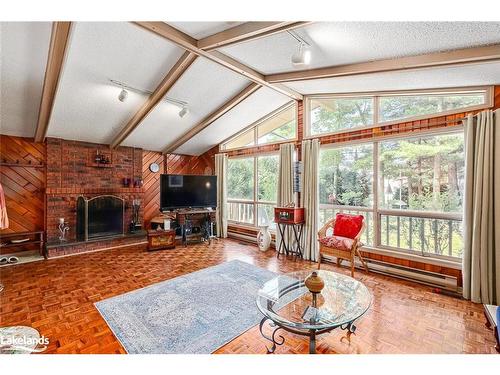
[414, 206]
[399, 107]
[332, 114]
[329, 115]
[243, 140]
[252, 189]
[423, 176]
[279, 126]
[346, 184]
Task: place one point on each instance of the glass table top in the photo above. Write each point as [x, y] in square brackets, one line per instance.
[287, 301]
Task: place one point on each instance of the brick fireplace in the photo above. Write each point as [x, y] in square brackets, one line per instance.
[72, 173]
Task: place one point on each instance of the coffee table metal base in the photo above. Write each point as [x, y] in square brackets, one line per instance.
[278, 339]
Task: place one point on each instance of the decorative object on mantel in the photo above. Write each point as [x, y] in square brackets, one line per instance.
[138, 182]
[100, 159]
[63, 228]
[126, 182]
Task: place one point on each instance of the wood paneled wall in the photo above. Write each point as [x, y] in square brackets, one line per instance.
[151, 184]
[22, 175]
[172, 164]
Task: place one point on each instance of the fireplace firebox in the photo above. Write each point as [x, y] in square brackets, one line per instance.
[101, 216]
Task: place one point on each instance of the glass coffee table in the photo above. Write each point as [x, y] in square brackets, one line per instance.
[288, 305]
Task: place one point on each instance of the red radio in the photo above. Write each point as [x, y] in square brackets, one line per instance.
[289, 215]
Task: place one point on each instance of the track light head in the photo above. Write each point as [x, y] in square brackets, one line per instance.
[183, 112]
[123, 95]
[302, 56]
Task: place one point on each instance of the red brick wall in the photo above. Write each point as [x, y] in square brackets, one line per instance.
[70, 174]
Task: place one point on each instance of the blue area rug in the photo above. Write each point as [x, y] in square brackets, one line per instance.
[195, 313]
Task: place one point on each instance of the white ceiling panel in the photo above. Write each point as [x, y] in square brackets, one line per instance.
[453, 76]
[199, 30]
[24, 47]
[205, 86]
[256, 106]
[87, 106]
[338, 43]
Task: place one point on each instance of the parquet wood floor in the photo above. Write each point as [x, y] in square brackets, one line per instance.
[56, 297]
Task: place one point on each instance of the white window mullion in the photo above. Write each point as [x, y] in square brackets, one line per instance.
[255, 187]
[376, 215]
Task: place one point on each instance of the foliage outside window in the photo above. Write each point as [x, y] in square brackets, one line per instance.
[417, 205]
[252, 189]
[332, 114]
[278, 126]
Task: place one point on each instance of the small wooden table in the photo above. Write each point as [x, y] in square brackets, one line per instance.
[35, 238]
[290, 217]
[161, 239]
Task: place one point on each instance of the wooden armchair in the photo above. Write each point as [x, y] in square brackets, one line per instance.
[348, 250]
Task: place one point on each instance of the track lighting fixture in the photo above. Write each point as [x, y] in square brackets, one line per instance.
[123, 95]
[302, 56]
[184, 111]
[183, 106]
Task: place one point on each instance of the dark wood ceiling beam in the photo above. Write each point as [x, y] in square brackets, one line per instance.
[57, 51]
[464, 56]
[185, 41]
[246, 32]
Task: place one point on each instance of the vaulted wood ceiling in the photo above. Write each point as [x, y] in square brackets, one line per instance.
[56, 77]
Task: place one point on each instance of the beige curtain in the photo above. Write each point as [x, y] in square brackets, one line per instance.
[310, 198]
[285, 185]
[221, 214]
[481, 260]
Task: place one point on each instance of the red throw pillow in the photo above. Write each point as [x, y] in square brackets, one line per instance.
[347, 225]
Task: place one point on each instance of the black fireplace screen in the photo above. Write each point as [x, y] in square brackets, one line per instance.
[101, 216]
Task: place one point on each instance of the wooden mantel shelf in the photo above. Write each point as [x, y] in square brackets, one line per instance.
[59, 191]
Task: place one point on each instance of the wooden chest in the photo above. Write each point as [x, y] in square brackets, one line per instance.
[158, 240]
[289, 215]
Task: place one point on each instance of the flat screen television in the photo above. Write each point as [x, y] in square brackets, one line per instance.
[183, 191]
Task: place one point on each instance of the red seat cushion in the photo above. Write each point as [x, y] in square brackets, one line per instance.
[337, 242]
[347, 225]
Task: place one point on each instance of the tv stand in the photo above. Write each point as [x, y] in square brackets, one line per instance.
[188, 218]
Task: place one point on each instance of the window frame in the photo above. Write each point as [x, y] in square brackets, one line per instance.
[255, 200]
[253, 127]
[376, 95]
[378, 212]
